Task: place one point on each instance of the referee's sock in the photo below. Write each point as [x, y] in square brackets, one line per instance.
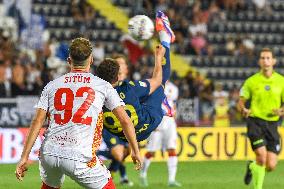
[258, 173]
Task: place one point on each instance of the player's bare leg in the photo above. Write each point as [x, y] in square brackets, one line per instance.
[271, 161]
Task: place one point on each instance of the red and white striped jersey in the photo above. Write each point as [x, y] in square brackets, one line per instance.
[74, 102]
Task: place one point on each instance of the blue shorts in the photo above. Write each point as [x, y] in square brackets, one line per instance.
[112, 140]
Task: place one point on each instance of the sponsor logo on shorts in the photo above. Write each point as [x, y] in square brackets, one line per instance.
[257, 142]
[277, 147]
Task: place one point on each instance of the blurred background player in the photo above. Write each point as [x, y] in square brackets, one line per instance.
[265, 90]
[164, 137]
[118, 149]
[143, 98]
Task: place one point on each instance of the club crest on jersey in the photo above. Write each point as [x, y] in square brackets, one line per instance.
[142, 84]
[267, 87]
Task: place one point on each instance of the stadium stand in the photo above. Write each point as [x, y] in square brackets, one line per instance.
[220, 40]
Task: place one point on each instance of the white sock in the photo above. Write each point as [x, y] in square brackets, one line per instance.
[164, 37]
[145, 167]
[172, 168]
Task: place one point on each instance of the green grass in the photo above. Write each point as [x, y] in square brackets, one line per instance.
[193, 175]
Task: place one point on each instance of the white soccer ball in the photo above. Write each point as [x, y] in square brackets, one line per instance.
[141, 27]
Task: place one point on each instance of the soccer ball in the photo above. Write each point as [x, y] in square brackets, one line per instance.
[141, 27]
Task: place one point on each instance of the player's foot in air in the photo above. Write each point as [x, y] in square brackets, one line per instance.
[126, 182]
[248, 175]
[174, 184]
[163, 24]
[143, 181]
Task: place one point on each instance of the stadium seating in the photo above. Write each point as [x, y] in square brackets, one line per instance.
[62, 28]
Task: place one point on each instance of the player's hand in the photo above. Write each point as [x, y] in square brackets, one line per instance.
[21, 168]
[136, 158]
[278, 112]
[160, 51]
[246, 112]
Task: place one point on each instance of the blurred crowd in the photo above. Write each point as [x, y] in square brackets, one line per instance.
[26, 71]
[191, 19]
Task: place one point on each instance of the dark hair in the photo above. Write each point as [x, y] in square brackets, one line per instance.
[108, 70]
[267, 50]
[79, 50]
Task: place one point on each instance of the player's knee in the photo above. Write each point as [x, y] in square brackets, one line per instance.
[117, 153]
[261, 156]
[261, 160]
[118, 157]
[45, 186]
[270, 166]
[149, 155]
[126, 152]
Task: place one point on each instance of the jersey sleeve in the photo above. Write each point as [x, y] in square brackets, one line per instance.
[282, 93]
[245, 91]
[141, 87]
[43, 100]
[112, 99]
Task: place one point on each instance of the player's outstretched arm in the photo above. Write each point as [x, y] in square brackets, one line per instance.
[129, 132]
[35, 127]
[156, 79]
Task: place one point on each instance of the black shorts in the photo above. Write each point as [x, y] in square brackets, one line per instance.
[263, 133]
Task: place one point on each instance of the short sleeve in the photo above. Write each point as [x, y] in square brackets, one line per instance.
[112, 99]
[245, 91]
[141, 87]
[282, 94]
[43, 100]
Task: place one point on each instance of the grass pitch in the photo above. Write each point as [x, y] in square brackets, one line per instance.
[192, 175]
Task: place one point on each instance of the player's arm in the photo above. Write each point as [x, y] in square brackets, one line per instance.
[245, 94]
[129, 132]
[156, 79]
[35, 127]
[242, 108]
[280, 111]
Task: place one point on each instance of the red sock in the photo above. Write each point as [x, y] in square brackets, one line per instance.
[45, 186]
[149, 155]
[109, 185]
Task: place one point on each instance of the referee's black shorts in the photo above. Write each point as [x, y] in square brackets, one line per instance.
[263, 133]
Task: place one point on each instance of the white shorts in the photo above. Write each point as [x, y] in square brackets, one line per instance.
[53, 170]
[164, 137]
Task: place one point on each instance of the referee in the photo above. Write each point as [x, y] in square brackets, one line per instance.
[265, 91]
